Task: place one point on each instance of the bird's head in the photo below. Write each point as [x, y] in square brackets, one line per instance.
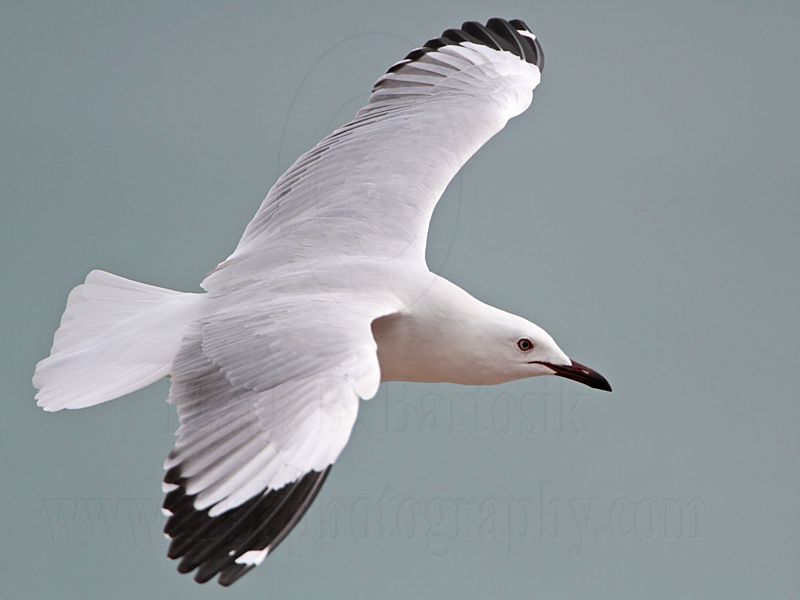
[527, 350]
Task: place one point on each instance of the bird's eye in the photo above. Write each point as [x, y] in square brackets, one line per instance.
[524, 344]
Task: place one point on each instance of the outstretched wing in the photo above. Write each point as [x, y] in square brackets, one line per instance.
[267, 386]
[370, 187]
[267, 382]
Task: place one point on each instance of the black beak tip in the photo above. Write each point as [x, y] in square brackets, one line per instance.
[585, 375]
[602, 384]
[582, 374]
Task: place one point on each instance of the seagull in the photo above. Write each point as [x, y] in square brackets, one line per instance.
[326, 296]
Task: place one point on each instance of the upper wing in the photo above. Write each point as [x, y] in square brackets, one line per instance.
[267, 385]
[267, 382]
[370, 187]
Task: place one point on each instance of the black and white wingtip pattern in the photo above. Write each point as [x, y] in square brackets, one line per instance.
[235, 542]
[511, 36]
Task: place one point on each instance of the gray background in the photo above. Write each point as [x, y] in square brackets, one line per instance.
[645, 212]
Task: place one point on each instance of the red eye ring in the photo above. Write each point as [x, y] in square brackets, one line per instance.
[525, 344]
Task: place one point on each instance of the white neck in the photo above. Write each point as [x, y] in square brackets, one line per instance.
[441, 337]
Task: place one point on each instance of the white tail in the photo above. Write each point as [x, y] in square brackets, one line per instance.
[116, 336]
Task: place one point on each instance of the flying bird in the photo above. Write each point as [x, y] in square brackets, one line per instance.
[326, 295]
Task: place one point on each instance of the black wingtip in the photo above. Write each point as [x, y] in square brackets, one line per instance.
[231, 575]
[499, 34]
[212, 545]
[533, 44]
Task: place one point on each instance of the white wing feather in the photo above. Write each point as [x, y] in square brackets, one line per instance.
[267, 386]
[267, 383]
[370, 187]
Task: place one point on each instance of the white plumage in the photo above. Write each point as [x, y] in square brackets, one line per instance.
[326, 294]
[116, 336]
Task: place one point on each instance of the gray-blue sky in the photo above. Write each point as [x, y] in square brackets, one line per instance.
[644, 212]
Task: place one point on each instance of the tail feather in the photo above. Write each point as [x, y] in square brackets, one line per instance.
[116, 336]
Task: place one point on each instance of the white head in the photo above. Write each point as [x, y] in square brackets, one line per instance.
[452, 337]
[515, 348]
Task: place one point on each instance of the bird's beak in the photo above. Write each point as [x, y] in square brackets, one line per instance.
[580, 373]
